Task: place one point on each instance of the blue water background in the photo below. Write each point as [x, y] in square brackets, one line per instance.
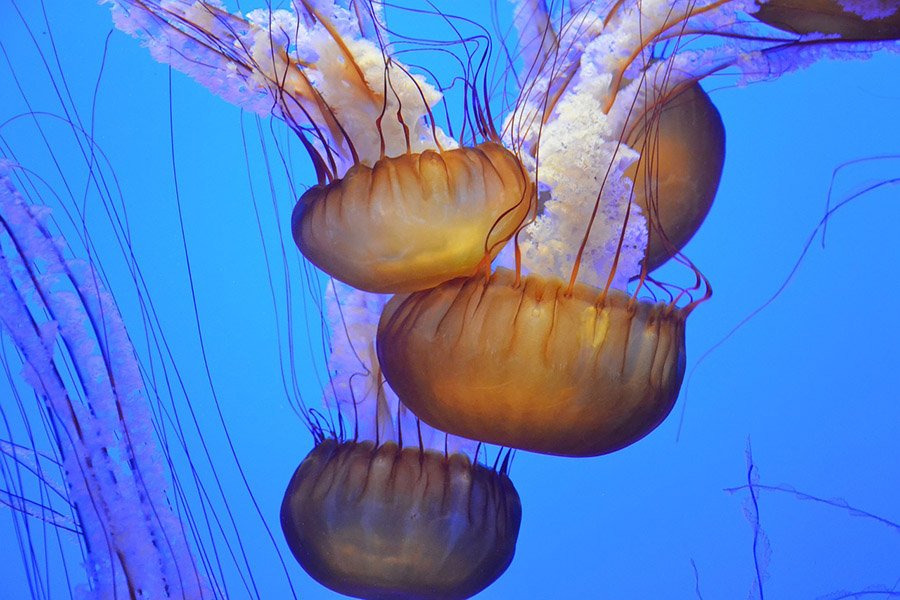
[812, 381]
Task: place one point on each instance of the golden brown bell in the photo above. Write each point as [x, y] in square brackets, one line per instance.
[681, 140]
[413, 221]
[528, 366]
[389, 524]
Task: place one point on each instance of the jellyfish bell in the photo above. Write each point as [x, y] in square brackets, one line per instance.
[526, 364]
[399, 204]
[384, 506]
[681, 139]
[850, 20]
[382, 522]
[521, 358]
[413, 210]
[413, 221]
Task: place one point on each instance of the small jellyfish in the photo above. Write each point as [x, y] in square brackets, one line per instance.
[672, 134]
[378, 513]
[850, 19]
[415, 217]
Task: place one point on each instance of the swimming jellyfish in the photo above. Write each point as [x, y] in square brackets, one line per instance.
[675, 183]
[390, 507]
[413, 221]
[399, 205]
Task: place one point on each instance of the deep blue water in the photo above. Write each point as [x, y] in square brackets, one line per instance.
[811, 382]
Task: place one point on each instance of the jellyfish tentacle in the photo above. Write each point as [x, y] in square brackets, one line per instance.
[111, 476]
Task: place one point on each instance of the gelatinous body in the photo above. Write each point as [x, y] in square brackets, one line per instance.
[413, 221]
[386, 523]
[828, 16]
[682, 144]
[530, 367]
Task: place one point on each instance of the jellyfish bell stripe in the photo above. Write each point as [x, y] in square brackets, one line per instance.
[56, 312]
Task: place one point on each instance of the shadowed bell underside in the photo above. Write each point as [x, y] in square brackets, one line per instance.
[389, 524]
[527, 366]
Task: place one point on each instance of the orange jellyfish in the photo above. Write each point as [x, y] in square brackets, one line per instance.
[392, 509]
[673, 125]
[384, 522]
[405, 216]
[533, 363]
[681, 139]
[849, 19]
[399, 205]
[413, 210]
[554, 356]
[412, 221]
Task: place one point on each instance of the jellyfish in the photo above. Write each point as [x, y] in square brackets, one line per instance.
[431, 217]
[602, 500]
[384, 522]
[399, 205]
[676, 182]
[554, 356]
[392, 508]
[849, 19]
[575, 374]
